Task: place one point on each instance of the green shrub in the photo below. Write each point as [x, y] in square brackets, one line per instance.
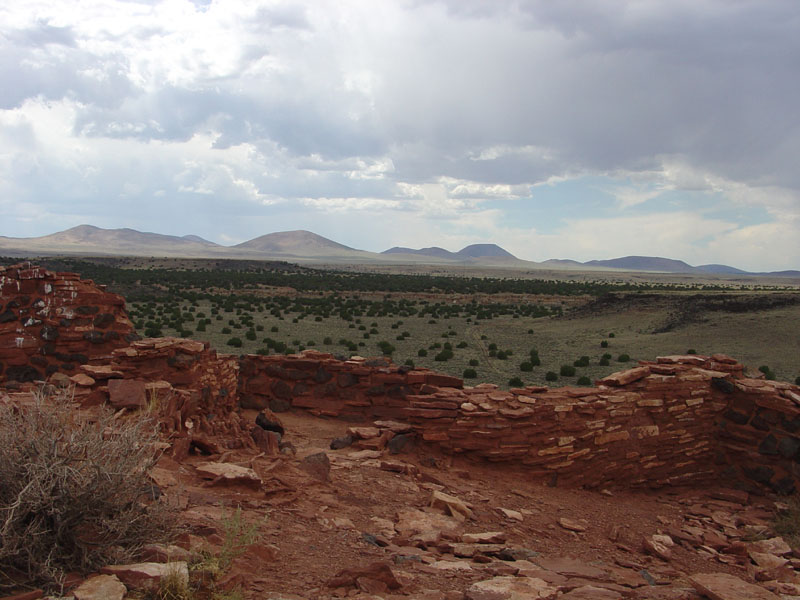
[567, 371]
[250, 335]
[235, 342]
[444, 355]
[535, 361]
[604, 362]
[551, 376]
[604, 344]
[691, 351]
[386, 347]
[526, 366]
[515, 382]
[584, 380]
[583, 361]
[226, 330]
[473, 362]
[623, 358]
[274, 329]
[611, 335]
[422, 352]
[492, 346]
[502, 355]
[469, 374]
[327, 341]
[62, 476]
[409, 363]
[797, 380]
[462, 345]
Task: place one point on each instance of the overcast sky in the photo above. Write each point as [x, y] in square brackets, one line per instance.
[556, 129]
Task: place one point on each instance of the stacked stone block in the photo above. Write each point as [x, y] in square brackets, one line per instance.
[54, 322]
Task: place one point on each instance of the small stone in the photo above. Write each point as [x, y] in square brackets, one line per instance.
[489, 537]
[228, 473]
[147, 575]
[511, 514]
[318, 466]
[450, 505]
[102, 587]
[571, 525]
[341, 442]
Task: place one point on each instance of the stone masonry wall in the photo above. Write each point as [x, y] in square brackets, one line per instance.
[53, 322]
[677, 420]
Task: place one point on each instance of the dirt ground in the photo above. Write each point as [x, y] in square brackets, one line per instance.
[310, 530]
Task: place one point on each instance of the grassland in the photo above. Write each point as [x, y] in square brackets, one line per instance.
[490, 320]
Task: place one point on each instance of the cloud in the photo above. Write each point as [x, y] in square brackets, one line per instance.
[444, 115]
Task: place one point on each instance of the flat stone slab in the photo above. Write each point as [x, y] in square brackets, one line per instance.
[512, 588]
[102, 587]
[147, 575]
[721, 586]
[227, 473]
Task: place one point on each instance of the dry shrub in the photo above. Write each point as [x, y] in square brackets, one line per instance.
[73, 492]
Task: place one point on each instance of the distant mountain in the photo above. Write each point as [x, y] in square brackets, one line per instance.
[485, 251]
[434, 251]
[470, 253]
[297, 243]
[197, 238]
[644, 263]
[88, 239]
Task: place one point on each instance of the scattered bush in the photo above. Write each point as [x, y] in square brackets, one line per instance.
[462, 345]
[584, 380]
[226, 330]
[551, 376]
[235, 342]
[567, 371]
[469, 374]
[526, 366]
[691, 351]
[62, 477]
[502, 355]
[515, 382]
[422, 352]
[797, 380]
[409, 363]
[327, 341]
[604, 344]
[583, 361]
[473, 362]
[611, 335]
[251, 334]
[623, 358]
[444, 355]
[386, 347]
[604, 362]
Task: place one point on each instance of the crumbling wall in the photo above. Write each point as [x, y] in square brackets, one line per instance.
[52, 322]
[677, 420]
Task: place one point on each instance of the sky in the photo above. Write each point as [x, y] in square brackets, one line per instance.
[569, 129]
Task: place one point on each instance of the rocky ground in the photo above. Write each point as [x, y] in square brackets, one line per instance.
[364, 522]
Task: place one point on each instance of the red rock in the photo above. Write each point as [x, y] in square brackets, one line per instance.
[571, 525]
[621, 378]
[499, 588]
[101, 587]
[126, 393]
[148, 575]
[377, 571]
[721, 586]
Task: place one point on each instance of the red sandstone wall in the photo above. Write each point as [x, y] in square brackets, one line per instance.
[53, 322]
[685, 419]
[679, 420]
